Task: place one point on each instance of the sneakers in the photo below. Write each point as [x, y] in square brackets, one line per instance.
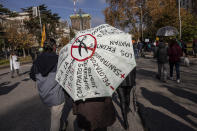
[178, 81]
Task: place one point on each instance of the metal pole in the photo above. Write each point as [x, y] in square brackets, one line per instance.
[40, 20]
[81, 19]
[180, 18]
[141, 22]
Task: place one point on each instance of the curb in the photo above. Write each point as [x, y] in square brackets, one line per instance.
[7, 66]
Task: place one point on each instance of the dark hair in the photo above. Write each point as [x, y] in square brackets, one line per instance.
[172, 42]
[48, 46]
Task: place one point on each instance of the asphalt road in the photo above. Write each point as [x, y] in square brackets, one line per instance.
[162, 106]
[167, 106]
[22, 110]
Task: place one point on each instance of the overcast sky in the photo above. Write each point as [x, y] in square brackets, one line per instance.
[63, 7]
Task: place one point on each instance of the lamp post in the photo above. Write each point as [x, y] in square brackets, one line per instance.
[40, 20]
[141, 21]
[180, 18]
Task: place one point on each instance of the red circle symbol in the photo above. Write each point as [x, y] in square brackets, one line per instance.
[83, 47]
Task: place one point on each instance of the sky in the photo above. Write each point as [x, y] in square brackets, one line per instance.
[63, 7]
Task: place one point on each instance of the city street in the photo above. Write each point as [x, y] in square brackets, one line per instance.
[162, 106]
[167, 106]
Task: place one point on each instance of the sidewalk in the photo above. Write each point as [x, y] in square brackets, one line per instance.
[8, 65]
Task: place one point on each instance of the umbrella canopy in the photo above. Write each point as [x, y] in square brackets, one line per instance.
[167, 31]
[95, 62]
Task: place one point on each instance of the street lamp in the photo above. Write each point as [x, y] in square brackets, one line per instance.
[180, 18]
[141, 21]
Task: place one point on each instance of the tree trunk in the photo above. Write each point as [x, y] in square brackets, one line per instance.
[24, 55]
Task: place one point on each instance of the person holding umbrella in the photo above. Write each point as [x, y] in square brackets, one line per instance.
[174, 53]
[90, 68]
[95, 114]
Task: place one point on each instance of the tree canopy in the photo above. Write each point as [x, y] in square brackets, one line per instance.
[49, 19]
[6, 11]
[126, 14]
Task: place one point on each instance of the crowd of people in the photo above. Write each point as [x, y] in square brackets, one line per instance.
[141, 47]
[167, 52]
[94, 114]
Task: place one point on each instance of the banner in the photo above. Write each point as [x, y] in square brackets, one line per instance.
[43, 36]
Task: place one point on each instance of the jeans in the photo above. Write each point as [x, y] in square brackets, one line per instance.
[162, 71]
[177, 66]
[136, 52]
[56, 113]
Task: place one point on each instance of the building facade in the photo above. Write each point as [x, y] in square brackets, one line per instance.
[80, 21]
[187, 4]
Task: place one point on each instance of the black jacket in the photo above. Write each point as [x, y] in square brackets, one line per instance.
[43, 72]
[162, 53]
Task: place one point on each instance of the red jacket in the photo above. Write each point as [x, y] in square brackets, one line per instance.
[174, 53]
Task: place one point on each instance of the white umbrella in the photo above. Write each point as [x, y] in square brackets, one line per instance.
[95, 62]
[167, 31]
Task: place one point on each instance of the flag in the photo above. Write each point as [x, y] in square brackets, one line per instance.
[43, 36]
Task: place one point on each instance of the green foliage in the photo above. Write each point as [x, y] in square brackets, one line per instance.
[49, 19]
[4, 11]
[21, 59]
[189, 28]
[4, 62]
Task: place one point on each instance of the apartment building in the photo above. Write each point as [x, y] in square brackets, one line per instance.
[80, 21]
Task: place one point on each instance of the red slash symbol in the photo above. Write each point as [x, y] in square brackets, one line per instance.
[89, 45]
[112, 87]
[122, 76]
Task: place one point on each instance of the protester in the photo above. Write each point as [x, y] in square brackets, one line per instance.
[140, 46]
[195, 47]
[155, 49]
[51, 93]
[124, 94]
[174, 53]
[136, 51]
[184, 48]
[162, 59]
[14, 64]
[95, 114]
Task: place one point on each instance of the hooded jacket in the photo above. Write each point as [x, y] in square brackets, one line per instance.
[43, 72]
[162, 53]
[174, 52]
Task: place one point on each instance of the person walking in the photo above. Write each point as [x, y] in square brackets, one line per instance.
[94, 114]
[14, 64]
[174, 53]
[124, 91]
[136, 51]
[51, 93]
[162, 59]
